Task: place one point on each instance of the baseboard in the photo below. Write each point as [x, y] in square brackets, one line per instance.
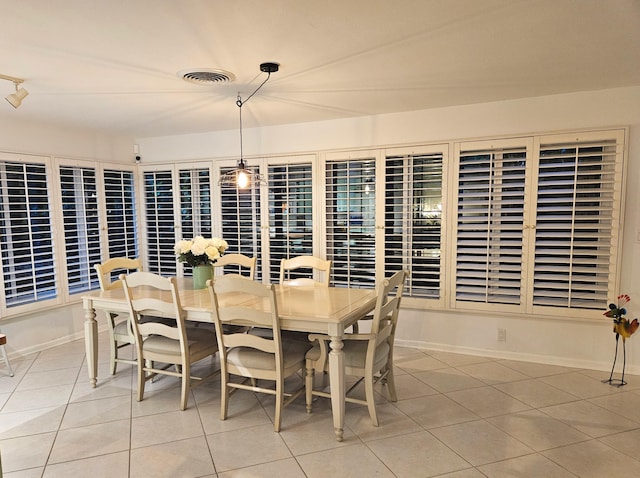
[509, 355]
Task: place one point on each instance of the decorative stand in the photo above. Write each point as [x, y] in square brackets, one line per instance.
[614, 381]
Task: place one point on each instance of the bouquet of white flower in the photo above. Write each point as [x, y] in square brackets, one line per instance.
[200, 251]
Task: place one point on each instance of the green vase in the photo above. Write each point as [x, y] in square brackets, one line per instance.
[201, 274]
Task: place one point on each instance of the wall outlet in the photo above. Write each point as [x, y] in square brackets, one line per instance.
[502, 335]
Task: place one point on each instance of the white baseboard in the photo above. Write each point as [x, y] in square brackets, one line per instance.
[509, 355]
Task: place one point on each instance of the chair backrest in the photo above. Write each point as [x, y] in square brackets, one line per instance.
[113, 268]
[152, 295]
[243, 311]
[385, 315]
[238, 262]
[310, 263]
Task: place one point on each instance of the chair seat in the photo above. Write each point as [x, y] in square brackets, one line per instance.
[293, 353]
[355, 353]
[200, 340]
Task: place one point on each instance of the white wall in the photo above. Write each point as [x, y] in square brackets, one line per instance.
[21, 136]
[571, 342]
[33, 332]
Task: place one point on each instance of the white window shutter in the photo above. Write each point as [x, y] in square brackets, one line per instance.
[579, 193]
[350, 192]
[26, 234]
[413, 219]
[290, 213]
[490, 217]
[81, 226]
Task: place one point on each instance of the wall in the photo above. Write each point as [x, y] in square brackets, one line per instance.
[33, 332]
[568, 342]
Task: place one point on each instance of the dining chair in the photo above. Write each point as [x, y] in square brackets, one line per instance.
[119, 325]
[367, 356]
[272, 358]
[160, 345]
[305, 265]
[3, 341]
[237, 263]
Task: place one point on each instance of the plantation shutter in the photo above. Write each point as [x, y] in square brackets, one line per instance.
[240, 215]
[350, 220]
[413, 220]
[579, 191]
[160, 222]
[26, 237]
[195, 202]
[120, 203]
[490, 222]
[290, 213]
[81, 226]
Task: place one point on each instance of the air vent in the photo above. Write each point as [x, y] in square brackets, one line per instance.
[206, 76]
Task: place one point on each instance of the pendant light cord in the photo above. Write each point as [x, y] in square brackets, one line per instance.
[239, 102]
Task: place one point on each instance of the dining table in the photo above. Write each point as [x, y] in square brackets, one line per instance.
[312, 309]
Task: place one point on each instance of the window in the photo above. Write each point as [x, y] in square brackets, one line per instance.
[490, 221]
[350, 220]
[241, 224]
[579, 180]
[536, 223]
[413, 218]
[81, 226]
[160, 222]
[26, 236]
[195, 202]
[119, 190]
[171, 217]
[290, 214]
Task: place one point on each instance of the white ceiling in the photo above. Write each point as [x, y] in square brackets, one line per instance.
[112, 65]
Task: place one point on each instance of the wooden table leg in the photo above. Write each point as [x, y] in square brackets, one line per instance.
[336, 380]
[91, 344]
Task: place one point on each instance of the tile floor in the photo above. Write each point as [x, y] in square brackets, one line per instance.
[457, 416]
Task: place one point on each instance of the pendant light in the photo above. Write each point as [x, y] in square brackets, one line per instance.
[241, 177]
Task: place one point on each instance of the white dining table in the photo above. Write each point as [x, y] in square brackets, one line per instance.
[312, 309]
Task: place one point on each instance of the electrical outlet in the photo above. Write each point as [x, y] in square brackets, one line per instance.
[502, 335]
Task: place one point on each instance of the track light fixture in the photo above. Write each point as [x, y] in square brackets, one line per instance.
[15, 99]
[241, 177]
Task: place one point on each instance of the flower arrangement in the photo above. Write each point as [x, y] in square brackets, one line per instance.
[621, 325]
[200, 251]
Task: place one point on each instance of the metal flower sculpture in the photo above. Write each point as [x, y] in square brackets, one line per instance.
[622, 328]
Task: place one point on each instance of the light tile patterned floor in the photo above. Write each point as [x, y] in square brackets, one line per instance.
[457, 416]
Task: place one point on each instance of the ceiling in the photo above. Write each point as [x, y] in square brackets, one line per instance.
[113, 65]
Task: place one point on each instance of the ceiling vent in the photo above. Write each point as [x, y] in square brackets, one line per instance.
[204, 76]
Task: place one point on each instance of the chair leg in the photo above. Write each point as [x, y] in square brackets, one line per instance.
[279, 405]
[224, 398]
[308, 387]
[186, 380]
[113, 348]
[371, 402]
[390, 380]
[6, 360]
[141, 380]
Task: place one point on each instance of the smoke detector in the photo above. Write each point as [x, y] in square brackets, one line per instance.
[206, 76]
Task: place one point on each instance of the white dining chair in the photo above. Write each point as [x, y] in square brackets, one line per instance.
[118, 324]
[160, 344]
[367, 356]
[252, 357]
[294, 270]
[236, 264]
